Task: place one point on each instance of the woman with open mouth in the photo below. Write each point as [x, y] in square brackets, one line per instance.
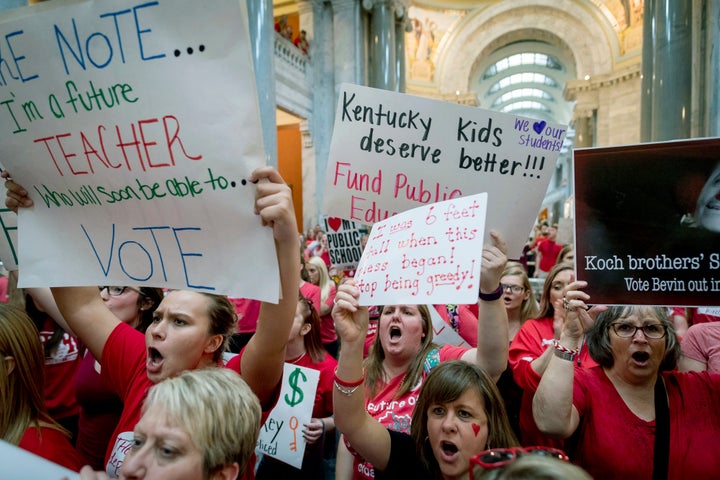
[634, 415]
[457, 414]
[403, 353]
[190, 329]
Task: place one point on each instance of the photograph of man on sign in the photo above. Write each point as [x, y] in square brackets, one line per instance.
[648, 222]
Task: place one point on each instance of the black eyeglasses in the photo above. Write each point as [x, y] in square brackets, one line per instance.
[501, 457]
[513, 288]
[628, 330]
[115, 291]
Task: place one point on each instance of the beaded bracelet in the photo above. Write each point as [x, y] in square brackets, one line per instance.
[347, 388]
[564, 352]
[344, 390]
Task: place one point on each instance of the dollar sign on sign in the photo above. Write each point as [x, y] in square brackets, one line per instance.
[297, 393]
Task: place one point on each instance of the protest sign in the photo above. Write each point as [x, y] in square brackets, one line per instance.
[391, 152]
[19, 464]
[134, 126]
[648, 223]
[429, 254]
[8, 235]
[343, 241]
[281, 435]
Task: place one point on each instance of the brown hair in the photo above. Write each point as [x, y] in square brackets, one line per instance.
[374, 371]
[529, 307]
[22, 396]
[223, 320]
[312, 340]
[546, 306]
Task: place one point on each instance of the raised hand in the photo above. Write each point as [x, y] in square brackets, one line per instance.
[351, 320]
[494, 258]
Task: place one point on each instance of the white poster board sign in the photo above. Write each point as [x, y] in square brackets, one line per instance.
[281, 435]
[19, 464]
[135, 126]
[429, 254]
[391, 152]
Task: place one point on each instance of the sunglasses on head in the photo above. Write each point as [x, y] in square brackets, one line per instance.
[501, 457]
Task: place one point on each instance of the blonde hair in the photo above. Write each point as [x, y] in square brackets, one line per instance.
[529, 307]
[22, 396]
[219, 411]
[324, 281]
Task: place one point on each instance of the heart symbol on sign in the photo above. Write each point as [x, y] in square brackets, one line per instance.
[539, 126]
[334, 223]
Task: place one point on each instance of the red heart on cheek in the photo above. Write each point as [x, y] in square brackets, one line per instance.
[476, 428]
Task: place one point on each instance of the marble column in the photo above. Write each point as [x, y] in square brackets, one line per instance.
[323, 60]
[646, 114]
[712, 68]
[401, 24]
[348, 40]
[382, 44]
[672, 70]
[262, 31]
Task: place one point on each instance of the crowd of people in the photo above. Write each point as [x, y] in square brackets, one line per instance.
[133, 382]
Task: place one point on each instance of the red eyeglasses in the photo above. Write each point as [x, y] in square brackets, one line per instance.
[501, 457]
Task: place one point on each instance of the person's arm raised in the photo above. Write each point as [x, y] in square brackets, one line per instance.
[553, 408]
[264, 356]
[368, 437]
[492, 351]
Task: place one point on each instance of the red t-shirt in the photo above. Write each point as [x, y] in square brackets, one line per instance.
[61, 365]
[614, 443]
[52, 445]
[312, 292]
[247, 311]
[327, 325]
[531, 341]
[123, 364]
[549, 251]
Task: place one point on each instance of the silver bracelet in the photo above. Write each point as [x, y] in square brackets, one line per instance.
[345, 390]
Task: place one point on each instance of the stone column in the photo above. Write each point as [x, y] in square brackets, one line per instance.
[712, 68]
[672, 70]
[401, 23]
[262, 31]
[646, 114]
[322, 52]
[382, 43]
[348, 40]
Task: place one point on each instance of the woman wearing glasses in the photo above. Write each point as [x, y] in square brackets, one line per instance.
[634, 415]
[531, 349]
[100, 406]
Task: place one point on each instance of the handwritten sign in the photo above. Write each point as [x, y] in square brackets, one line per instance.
[19, 464]
[429, 254]
[8, 235]
[648, 223]
[134, 127]
[281, 434]
[343, 241]
[391, 152]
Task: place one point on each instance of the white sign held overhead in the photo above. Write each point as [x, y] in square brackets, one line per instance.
[391, 152]
[134, 127]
